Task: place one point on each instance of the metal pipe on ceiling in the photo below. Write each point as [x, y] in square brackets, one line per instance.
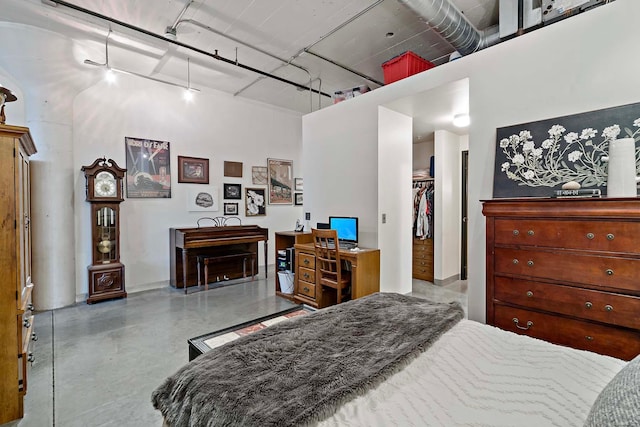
[173, 30]
[452, 25]
[183, 45]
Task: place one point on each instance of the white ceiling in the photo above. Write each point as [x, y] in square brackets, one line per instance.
[349, 33]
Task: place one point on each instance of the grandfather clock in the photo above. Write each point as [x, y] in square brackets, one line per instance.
[104, 193]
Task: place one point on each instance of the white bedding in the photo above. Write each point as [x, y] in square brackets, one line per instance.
[478, 375]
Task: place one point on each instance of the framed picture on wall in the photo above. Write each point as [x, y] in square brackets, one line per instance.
[298, 184]
[298, 198]
[148, 168]
[193, 170]
[203, 199]
[233, 191]
[231, 209]
[255, 202]
[280, 181]
[259, 175]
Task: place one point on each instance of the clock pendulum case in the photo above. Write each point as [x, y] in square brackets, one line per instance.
[104, 193]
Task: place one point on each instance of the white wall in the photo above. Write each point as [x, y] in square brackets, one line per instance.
[447, 216]
[422, 153]
[394, 194]
[582, 63]
[216, 126]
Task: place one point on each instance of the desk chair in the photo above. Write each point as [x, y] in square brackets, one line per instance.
[328, 263]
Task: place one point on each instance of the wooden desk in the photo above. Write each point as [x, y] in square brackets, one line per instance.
[365, 275]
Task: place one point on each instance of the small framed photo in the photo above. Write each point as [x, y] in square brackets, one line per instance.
[231, 209]
[255, 202]
[298, 184]
[193, 170]
[299, 198]
[259, 175]
[233, 191]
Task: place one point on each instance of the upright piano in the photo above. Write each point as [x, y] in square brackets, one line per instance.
[186, 244]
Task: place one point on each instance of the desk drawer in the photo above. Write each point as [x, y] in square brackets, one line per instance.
[307, 289]
[307, 260]
[606, 307]
[307, 275]
[611, 341]
[610, 272]
[618, 236]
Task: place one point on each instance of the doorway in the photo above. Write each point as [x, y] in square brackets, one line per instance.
[464, 213]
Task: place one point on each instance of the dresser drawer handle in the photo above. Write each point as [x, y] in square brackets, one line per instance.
[608, 307]
[306, 262]
[530, 263]
[610, 236]
[31, 358]
[589, 338]
[609, 272]
[306, 275]
[590, 236]
[515, 261]
[529, 294]
[516, 321]
[516, 232]
[34, 337]
[588, 304]
[530, 232]
[26, 323]
[306, 289]
[31, 307]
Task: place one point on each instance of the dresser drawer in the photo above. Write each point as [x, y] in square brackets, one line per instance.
[618, 236]
[307, 289]
[611, 341]
[307, 260]
[422, 255]
[611, 272]
[606, 307]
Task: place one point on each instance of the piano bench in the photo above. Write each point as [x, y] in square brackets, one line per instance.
[205, 260]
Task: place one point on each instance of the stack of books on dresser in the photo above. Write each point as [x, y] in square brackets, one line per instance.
[583, 192]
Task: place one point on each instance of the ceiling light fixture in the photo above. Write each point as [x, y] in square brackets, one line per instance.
[111, 70]
[461, 120]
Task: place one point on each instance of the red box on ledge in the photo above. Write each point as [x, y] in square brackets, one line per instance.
[404, 65]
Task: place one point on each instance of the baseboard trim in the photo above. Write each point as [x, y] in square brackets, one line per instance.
[448, 280]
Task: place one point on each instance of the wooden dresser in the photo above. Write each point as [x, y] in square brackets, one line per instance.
[423, 259]
[566, 271]
[16, 318]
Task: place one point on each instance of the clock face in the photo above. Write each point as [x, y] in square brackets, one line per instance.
[105, 185]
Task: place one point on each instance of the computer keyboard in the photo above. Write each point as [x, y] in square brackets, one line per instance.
[346, 245]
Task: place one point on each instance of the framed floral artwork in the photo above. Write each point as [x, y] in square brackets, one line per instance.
[536, 159]
[280, 181]
[255, 202]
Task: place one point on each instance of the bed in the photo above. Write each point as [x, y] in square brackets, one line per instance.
[394, 360]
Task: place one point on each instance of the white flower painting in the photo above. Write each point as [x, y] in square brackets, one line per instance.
[544, 155]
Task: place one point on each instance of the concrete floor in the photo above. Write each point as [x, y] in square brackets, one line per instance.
[96, 365]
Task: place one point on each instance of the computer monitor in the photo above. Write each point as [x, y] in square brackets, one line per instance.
[347, 228]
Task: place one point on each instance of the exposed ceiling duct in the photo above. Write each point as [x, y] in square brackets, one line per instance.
[451, 24]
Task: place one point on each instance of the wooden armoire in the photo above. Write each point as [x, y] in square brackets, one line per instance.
[16, 318]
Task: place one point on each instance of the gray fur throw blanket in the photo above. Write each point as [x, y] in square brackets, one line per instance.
[300, 371]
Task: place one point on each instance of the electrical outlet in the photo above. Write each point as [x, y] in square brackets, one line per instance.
[307, 216]
[384, 218]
